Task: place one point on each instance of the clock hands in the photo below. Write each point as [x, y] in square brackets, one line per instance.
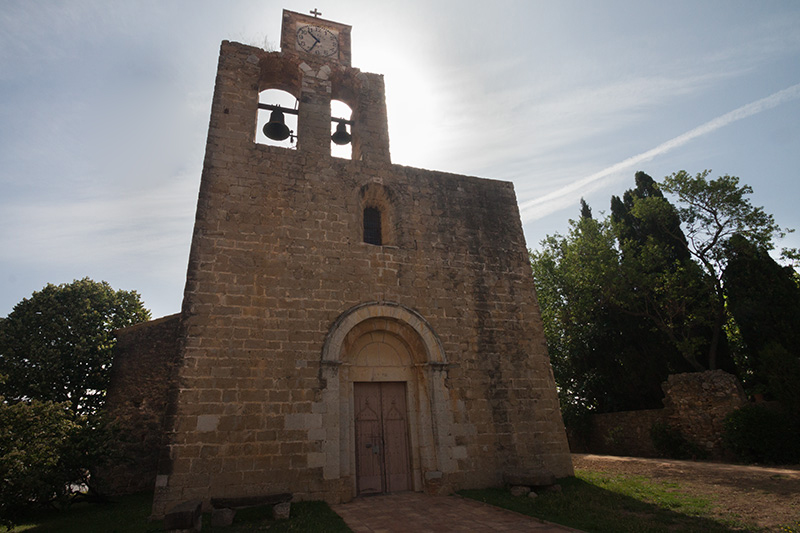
[316, 39]
[324, 38]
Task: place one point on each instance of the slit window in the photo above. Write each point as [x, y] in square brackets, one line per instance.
[372, 226]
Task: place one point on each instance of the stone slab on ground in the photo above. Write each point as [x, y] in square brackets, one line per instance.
[520, 490]
[222, 517]
[281, 511]
[186, 516]
[250, 501]
[224, 509]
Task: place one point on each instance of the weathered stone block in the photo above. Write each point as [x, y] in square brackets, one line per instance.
[519, 490]
[185, 516]
[222, 517]
[207, 422]
[281, 511]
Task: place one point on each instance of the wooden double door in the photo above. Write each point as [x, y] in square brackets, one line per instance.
[381, 426]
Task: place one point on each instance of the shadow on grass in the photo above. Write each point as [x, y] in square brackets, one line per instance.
[130, 514]
[584, 505]
[305, 516]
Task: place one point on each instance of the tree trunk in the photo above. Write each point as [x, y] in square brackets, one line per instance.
[719, 320]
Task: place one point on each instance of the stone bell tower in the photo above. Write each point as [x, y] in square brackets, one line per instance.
[349, 326]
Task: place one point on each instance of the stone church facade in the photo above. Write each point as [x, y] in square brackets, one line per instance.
[349, 326]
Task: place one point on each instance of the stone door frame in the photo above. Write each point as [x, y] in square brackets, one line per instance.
[429, 418]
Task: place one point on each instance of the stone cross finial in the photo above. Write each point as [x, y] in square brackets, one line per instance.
[315, 13]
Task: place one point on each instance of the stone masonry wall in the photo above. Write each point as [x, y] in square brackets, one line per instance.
[145, 360]
[278, 257]
[625, 433]
[695, 403]
[698, 404]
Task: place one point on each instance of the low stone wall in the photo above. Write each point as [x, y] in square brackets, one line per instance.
[625, 433]
[145, 359]
[696, 404]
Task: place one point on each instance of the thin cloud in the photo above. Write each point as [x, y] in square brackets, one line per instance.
[565, 197]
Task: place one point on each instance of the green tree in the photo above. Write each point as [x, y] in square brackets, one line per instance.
[712, 212]
[604, 359]
[586, 211]
[33, 437]
[764, 299]
[637, 296]
[47, 454]
[665, 285]
[57, 345]
[572, 274]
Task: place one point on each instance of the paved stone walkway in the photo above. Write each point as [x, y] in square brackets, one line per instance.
[420, 513]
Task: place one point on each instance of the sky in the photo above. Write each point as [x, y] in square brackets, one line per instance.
[104, 109]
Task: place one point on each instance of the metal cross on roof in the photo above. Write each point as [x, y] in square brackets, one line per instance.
[315, 13]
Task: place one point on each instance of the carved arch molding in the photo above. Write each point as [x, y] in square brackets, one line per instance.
[412, 354]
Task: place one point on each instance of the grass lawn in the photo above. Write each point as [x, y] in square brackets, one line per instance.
[591, 501]
[600, 502]
[130, 513]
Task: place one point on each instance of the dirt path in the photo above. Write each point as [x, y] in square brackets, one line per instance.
[764, 496]
[418, 512]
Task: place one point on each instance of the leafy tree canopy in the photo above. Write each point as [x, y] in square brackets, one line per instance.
[644, 216]
[604, 357]
[664, 284]
[57, 345]
[713, 211]
[764, 299]
[641, 294]
[47, 454]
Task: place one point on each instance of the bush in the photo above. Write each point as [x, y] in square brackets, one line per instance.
[578, 423]
[781, 369]
[47, 453]
[669, 442]
[758, 433]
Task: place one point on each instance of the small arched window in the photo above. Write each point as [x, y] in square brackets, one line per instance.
[372, 226]
[379, 223]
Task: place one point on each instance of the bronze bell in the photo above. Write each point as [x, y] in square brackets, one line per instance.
[340, 136]
[276, 129]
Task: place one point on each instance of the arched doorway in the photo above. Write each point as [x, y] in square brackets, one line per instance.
[383, 371]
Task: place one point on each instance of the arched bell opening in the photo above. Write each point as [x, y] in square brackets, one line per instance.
[341, 131]
[346, 92]
[276, 126]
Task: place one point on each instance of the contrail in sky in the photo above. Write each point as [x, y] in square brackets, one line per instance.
[563, 197]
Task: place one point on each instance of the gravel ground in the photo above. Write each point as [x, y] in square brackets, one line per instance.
[767, 497]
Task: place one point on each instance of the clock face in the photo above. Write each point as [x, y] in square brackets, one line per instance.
[318, 41]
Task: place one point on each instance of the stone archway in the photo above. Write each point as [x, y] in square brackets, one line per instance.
[386, 343]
